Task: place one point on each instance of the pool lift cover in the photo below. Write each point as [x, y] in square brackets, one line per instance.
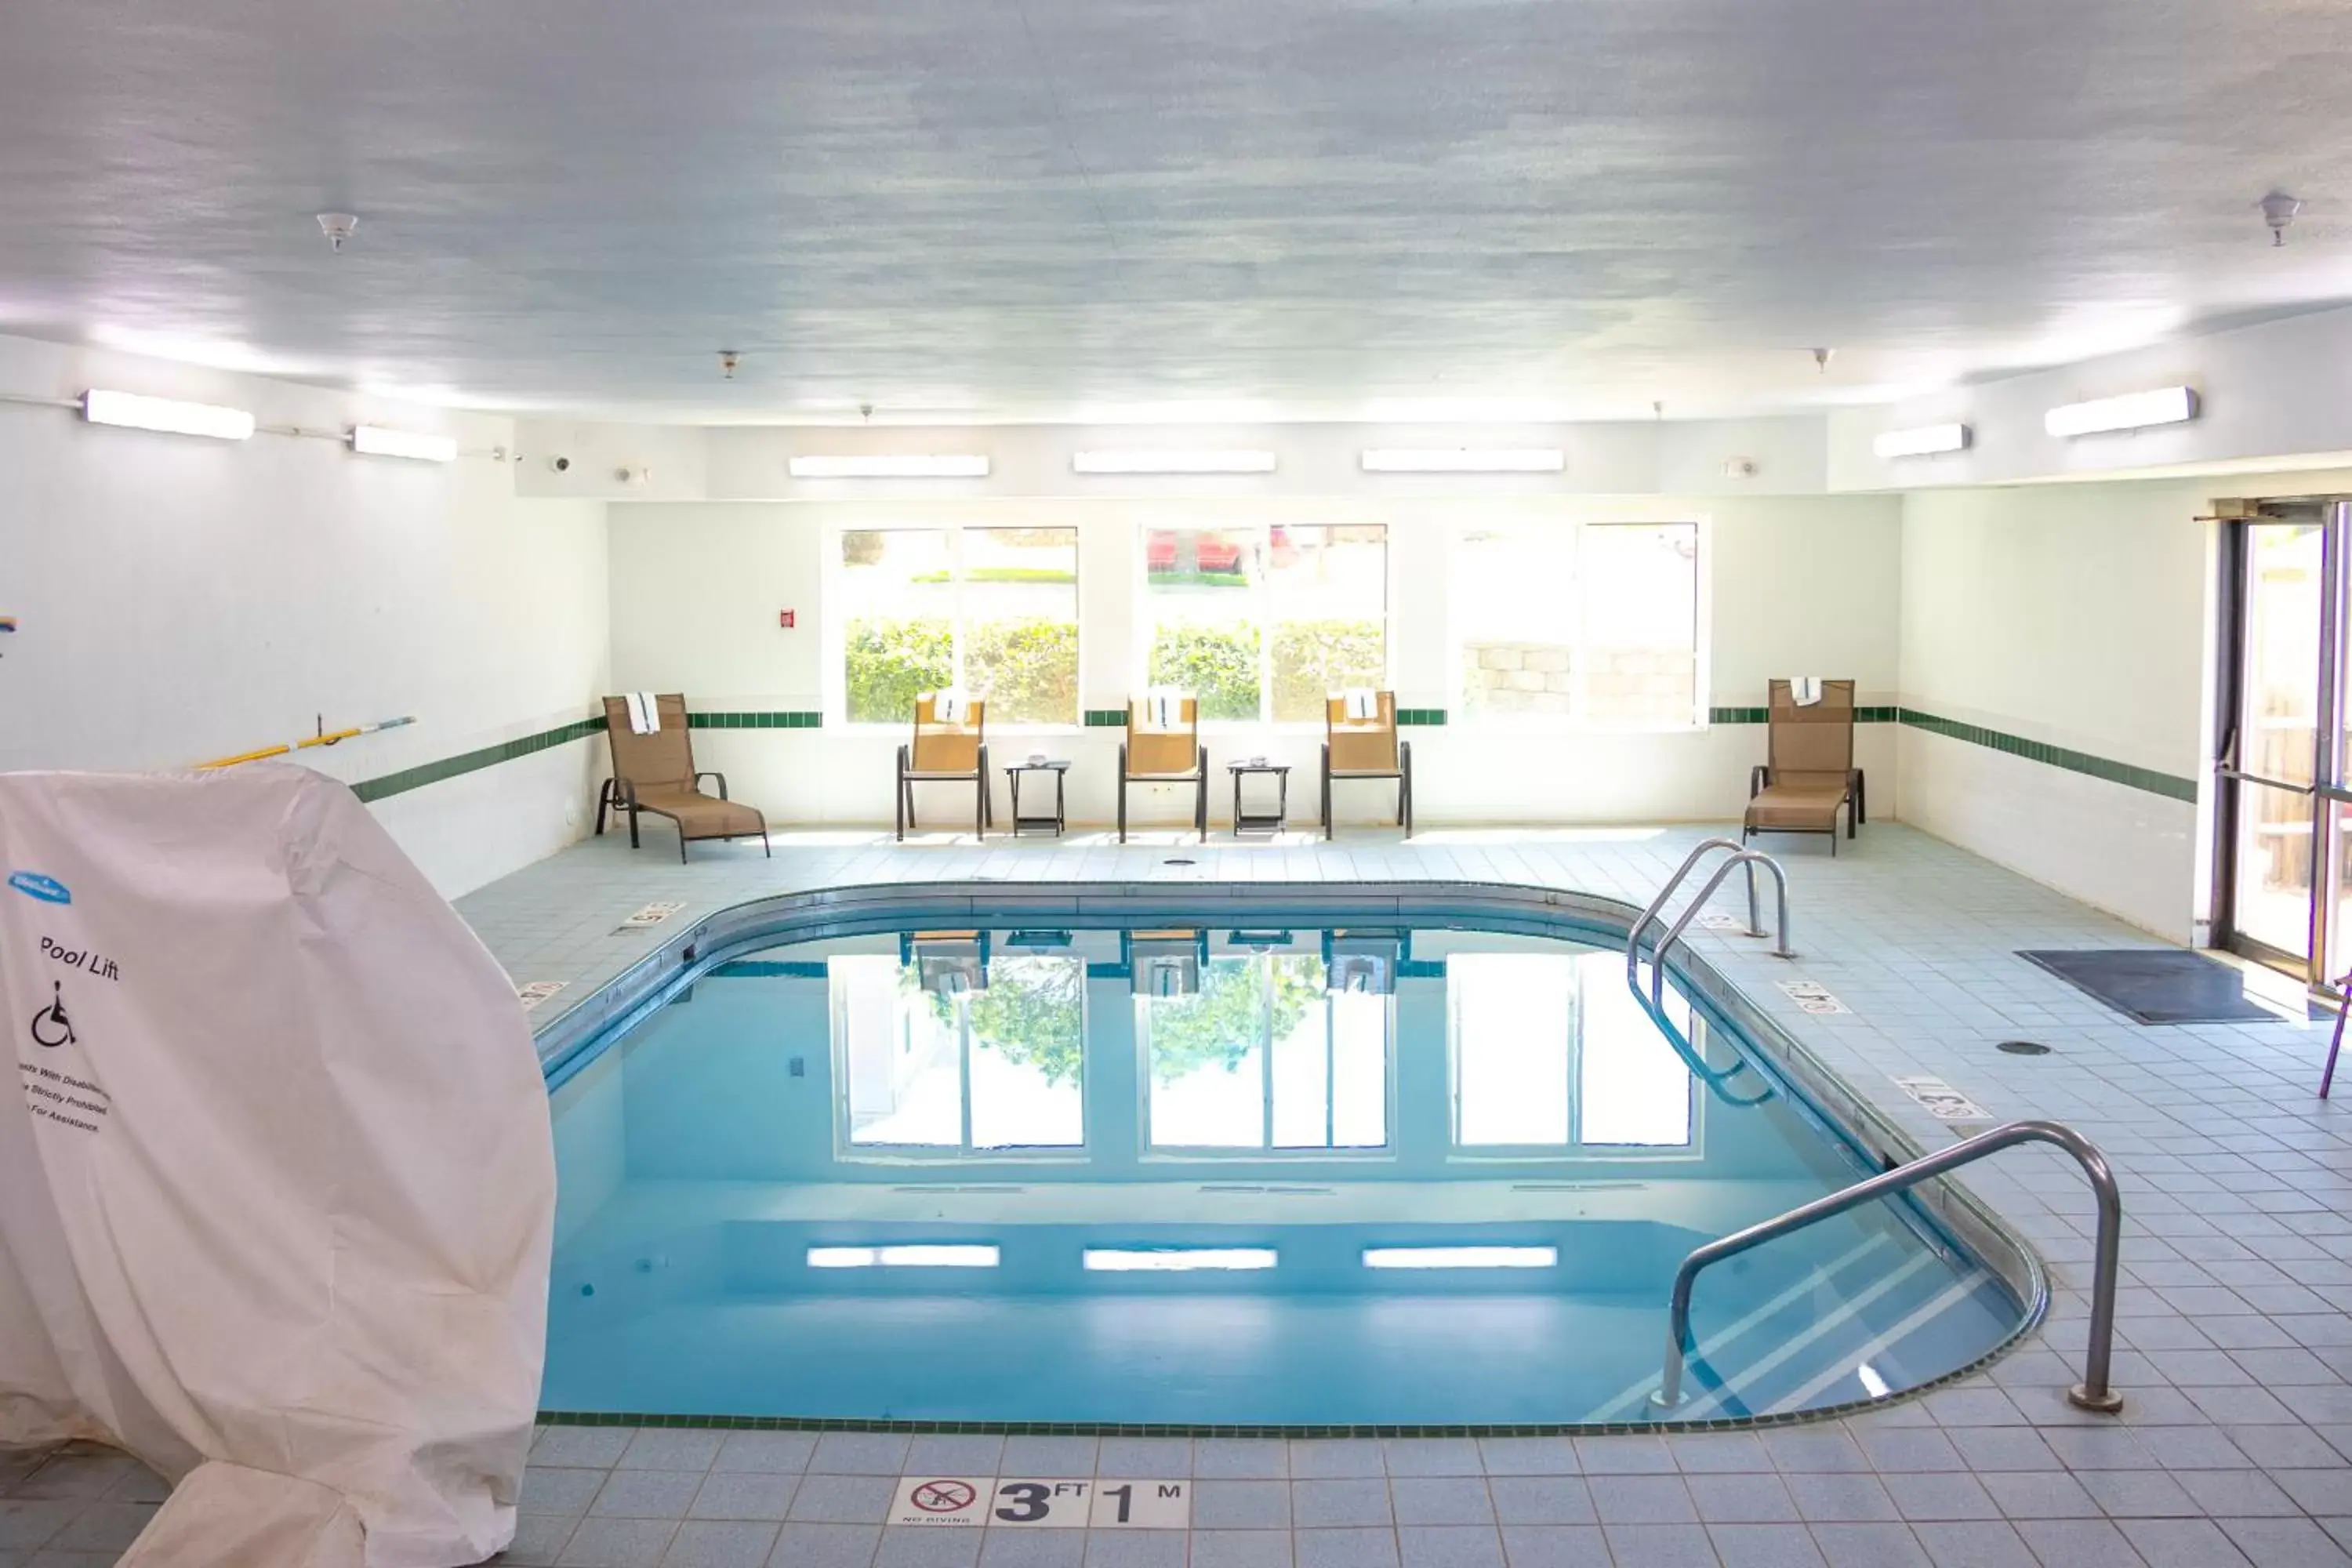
[277, 1195]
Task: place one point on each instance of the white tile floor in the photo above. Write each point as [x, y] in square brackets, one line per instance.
[2234, 1352]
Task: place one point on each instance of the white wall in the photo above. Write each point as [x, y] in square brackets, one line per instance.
[2079, 616]
[182, 599]
[1801, 585]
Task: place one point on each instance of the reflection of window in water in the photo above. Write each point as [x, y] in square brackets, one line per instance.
[1552, 1051]
[949, 1067]
[1261, 1055]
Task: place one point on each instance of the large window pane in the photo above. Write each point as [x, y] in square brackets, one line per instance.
[1021, 623]
[1205, 1056]
[898, 621]
[1327, 598]
[1641, 623]
[1515, 597]
[1201, 615]
[945, 1068]
[900, 1066]
[1028, 1043]
[1513, 1021]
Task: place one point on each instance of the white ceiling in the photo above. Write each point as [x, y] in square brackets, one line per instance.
[1051, 209]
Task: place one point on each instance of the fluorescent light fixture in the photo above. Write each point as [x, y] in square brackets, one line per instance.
[2166, 406]
[128, 409]
[902, 1256]
[892, 465]
[1175, 1259]
[1173, 461]
[1925, 441]
[379, 441]
[1463, 460]
[1461, 1257]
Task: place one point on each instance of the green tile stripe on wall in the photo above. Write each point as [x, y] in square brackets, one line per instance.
[466, 762]
[1420, 715]
[2170, 786]
[1106, 718]
[1760, 715]
[770, 718]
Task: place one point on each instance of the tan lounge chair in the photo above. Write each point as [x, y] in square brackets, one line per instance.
[946, 752]
[1366, 749]
[1811, 771]
[1153, 756]
[655, 772]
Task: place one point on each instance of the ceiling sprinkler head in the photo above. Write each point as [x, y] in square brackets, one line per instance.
[2278, 211]
[1821, 358]
[728, 360]
[337, 227]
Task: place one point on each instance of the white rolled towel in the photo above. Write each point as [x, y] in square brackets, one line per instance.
[950, 706]
[1361, 702]
[1805, 689]
[644, 713]
[1163, 707]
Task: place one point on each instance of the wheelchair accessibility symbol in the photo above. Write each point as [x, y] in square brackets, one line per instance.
[50, 1025]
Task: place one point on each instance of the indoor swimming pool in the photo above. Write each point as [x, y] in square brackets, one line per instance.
[1184, 1172]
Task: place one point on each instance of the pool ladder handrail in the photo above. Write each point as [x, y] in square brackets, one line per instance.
[2091, 1394]
[1740, 855]
[1696, 1065]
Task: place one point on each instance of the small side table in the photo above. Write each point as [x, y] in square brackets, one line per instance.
[1060, 819]
[1261, 822]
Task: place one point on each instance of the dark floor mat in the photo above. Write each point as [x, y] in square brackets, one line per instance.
[2156, 984]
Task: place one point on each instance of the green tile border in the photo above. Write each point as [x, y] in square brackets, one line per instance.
[1420, 715]
[464, 763]
[1106, 718]
[763, 718]
[2170, 786]
[1760, 715]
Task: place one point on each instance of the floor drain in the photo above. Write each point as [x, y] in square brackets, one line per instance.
[1178, 862]
[2023, 1047]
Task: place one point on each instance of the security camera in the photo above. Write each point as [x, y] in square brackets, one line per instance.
[560, 465]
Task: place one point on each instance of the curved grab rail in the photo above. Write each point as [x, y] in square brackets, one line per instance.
[1656, 905]
[1714, 1078]
[2091, 1394]
[1751, 858]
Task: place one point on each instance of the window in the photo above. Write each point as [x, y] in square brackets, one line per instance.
[1265, 622]
[1551, 1052]
[929, 1064]
[994, 610]
[1262, 1056]
[1592, 624]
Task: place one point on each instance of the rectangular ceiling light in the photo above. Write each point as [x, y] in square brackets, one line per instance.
[2135, 411]
[1463, 460]
[1175, 1259]
[1173, 461]
[892, 465]
[380, 441]
[918, 1257]
[1461, 1257]
[1925, 441]
[137, 412]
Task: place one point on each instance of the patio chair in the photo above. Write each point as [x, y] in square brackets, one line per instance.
[1366, 748]
[1811, 771]
[945, 751]
[655, 772]
[1157, 753]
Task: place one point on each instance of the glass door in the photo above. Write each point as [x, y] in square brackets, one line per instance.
[2281, 757]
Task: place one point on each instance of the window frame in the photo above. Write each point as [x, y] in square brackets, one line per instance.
[1143, 623]
[1578, 720]
[836, 622]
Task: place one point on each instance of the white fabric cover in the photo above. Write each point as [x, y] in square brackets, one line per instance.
[275, 1216]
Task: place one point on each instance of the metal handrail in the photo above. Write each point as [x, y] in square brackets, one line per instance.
[1633, 937]
[1751, 858]
[2091, 1394]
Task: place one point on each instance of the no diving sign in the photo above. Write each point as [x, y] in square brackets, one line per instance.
[1049, 1503]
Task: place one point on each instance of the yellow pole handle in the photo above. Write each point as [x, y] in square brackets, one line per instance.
[243, 757]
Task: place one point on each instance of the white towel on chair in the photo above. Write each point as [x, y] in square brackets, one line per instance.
[1805, 689]
[644, 713]
[1361, 702]
[950, 706]
[1163, 707]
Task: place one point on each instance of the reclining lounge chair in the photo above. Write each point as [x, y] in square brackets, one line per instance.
[945, 751]
[1811, 771]
[1170, 754]
[1366, 749]
[655, 772]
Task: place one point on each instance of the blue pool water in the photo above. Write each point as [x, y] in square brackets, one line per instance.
[1388, 1176]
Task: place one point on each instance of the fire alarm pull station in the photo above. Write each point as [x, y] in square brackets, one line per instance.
[785, 620]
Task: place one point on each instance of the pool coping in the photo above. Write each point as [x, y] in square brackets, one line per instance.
[568, 1042]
